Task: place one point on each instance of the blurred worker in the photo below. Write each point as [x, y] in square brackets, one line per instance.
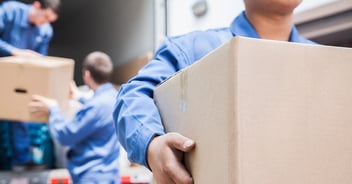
[139, 125]
[25, 30]
[90, 135]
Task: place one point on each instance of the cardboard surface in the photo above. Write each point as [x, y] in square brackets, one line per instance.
[264, 112]
[23, 77]
[126, 71]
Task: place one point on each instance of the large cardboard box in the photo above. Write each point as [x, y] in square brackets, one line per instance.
[265, 112]
[20, 78]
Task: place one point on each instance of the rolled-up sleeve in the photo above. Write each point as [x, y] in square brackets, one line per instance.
[136, 115]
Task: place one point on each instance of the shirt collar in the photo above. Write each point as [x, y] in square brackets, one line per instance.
[242, 27]
[295, 37]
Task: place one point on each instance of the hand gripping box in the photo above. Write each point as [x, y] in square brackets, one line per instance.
[20, 78]
[264, 112]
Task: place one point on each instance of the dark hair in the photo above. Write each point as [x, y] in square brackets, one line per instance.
[52, 4]
[99, 65]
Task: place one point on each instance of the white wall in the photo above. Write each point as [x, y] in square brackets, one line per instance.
[220, 14]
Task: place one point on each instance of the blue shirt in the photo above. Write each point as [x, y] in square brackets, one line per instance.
[91, 137]
[135, 114]
[17, 32]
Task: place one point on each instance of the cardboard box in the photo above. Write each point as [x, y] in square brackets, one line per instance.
[23, 77]
[126, 71]
[265, 112]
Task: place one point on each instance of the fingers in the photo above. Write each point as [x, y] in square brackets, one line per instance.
[180, 142]
[74, 91]
[33, 53]
[38, 98]
[165, 157]
[177, 172]
[47, 101]
[34, 106]
[73, 84]
[26, 53]
[37, 108]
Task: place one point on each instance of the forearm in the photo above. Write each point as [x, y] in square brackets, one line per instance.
[71, 131]
[135, 131]
[136, 116]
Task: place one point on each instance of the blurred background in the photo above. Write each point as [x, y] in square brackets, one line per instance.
[127, 29]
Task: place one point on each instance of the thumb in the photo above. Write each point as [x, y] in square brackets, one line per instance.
[37, 98]
[47, 101]
[181, 142]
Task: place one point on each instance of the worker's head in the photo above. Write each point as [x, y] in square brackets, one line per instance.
[271, 6]
[44, 11]
[97, 66]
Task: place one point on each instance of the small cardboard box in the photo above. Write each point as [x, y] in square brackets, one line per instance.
[264, 112]
[23, 77]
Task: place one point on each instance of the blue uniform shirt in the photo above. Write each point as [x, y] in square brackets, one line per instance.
[135, 114]
[17, 32]
[91, 137]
